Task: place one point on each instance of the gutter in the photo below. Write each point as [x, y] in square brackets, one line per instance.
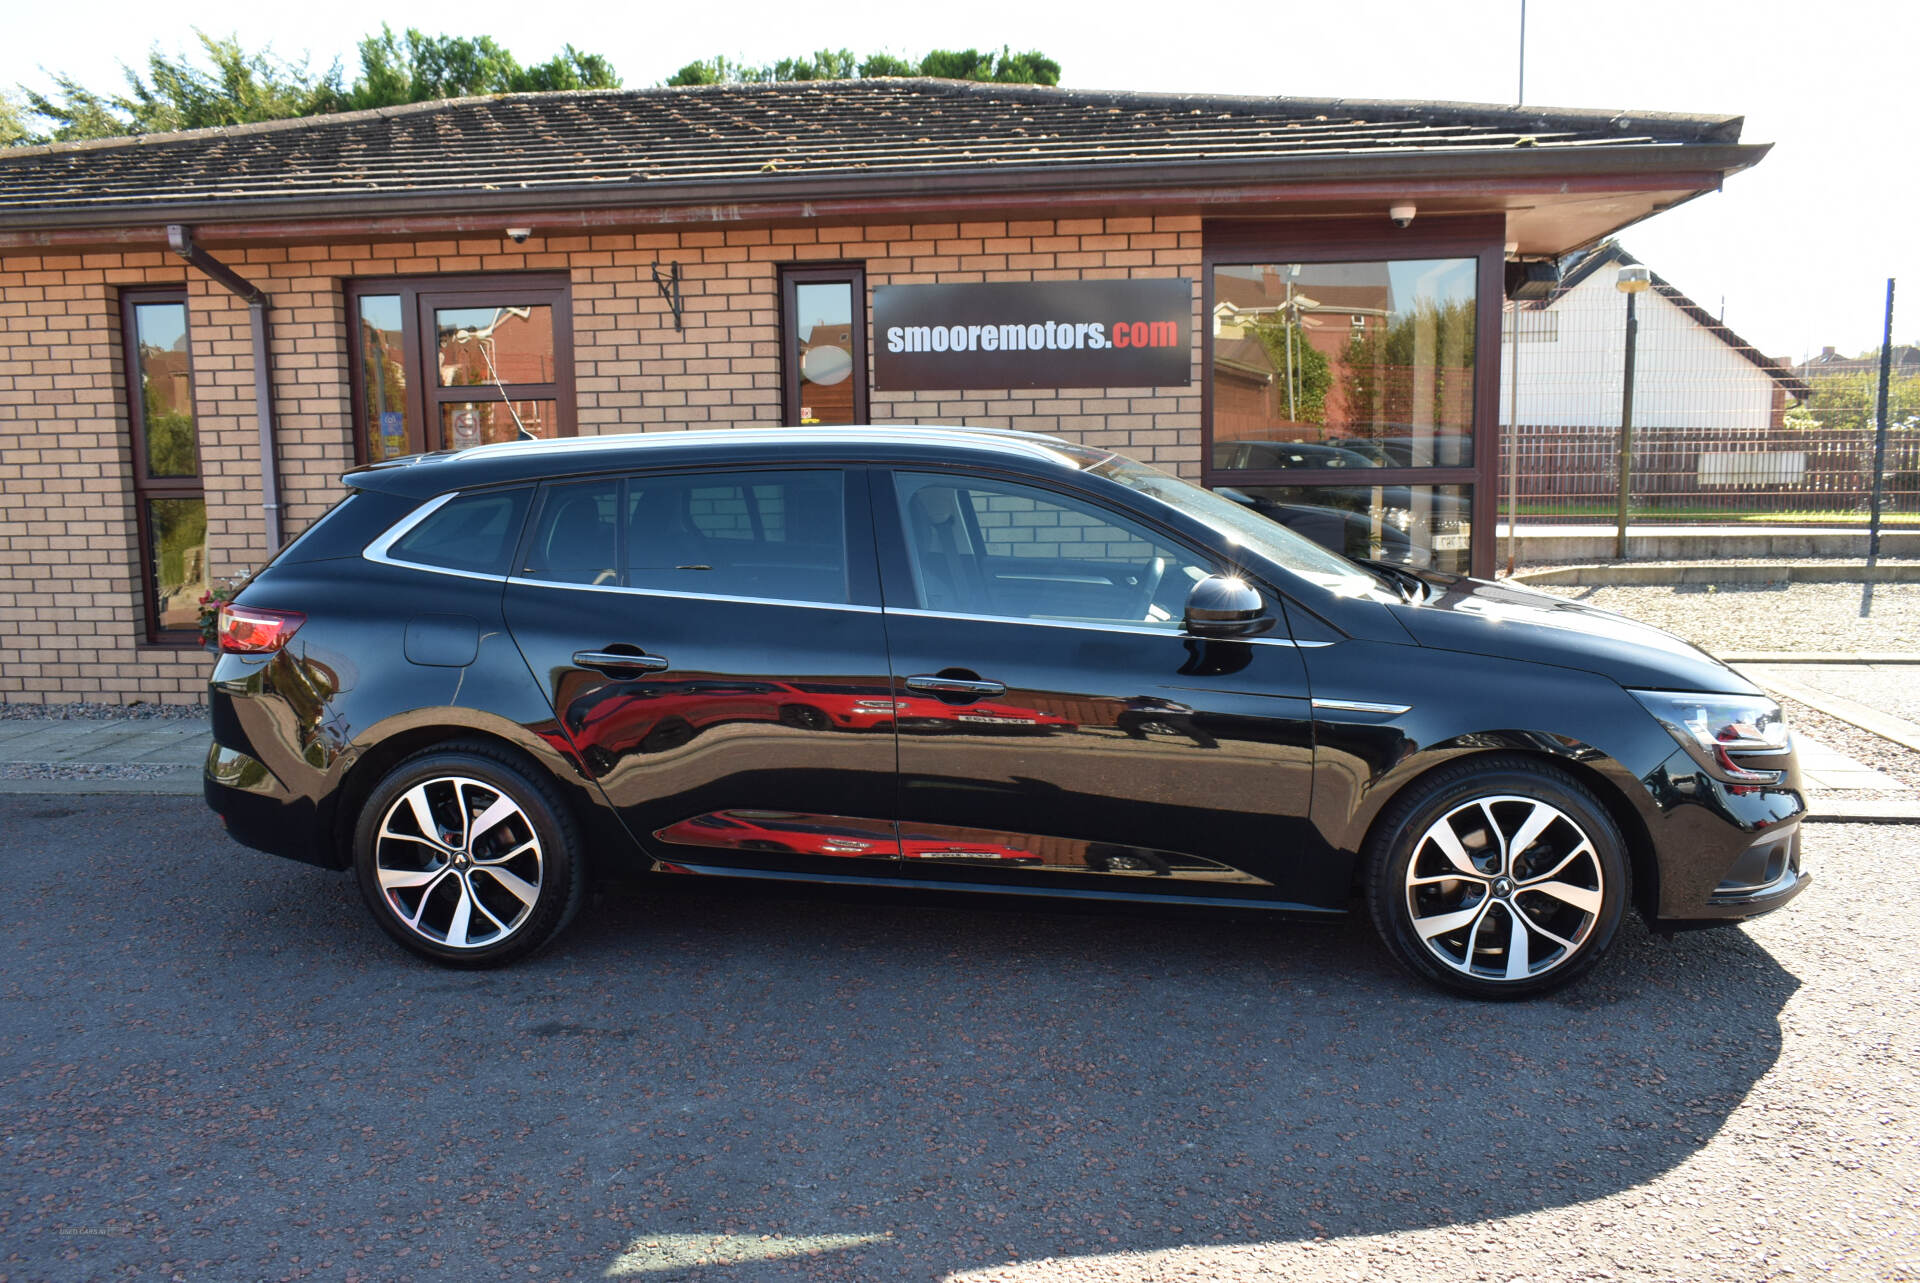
[180, 241]
[1488, 174]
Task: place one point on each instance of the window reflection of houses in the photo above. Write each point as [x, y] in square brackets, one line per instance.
[1329, 351]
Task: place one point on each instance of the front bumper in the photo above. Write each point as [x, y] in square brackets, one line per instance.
[1726, 853]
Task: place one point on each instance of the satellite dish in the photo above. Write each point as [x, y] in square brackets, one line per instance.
[824, 364]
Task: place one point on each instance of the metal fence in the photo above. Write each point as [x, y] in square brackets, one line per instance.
[1721, 433]
[1680, 474]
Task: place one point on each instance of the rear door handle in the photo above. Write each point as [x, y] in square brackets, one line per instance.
[928, 684]
[608, 661]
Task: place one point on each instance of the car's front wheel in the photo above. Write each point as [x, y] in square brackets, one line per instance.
[1499, 878]
[467, 858]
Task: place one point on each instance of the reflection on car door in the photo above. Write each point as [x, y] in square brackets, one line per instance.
[1058, 728]
[698, 633]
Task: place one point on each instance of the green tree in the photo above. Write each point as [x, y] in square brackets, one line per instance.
[13, 130]
[418, 67]
[1847, 400]
[1004, 67]
[1380, 373]
[1312, 372]
[229, 85]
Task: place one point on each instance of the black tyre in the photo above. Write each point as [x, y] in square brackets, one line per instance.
[804, 717]
[1500, 878]
[466, 856]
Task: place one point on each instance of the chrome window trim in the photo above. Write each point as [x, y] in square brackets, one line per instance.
[676, 595]
[377, 550]
[1140, 630]
[1360, 706]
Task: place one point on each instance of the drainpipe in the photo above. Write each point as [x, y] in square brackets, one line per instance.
[180, 241]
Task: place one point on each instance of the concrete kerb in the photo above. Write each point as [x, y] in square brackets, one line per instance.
[1547, 543]
[1624, 574]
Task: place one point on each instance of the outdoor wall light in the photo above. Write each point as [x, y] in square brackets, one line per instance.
[1633, 280]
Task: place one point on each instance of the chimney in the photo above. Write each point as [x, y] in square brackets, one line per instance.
[1826, 354]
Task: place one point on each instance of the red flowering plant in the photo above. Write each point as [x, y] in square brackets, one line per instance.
[211, 600]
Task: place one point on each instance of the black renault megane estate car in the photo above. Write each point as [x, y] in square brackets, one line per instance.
[973, 661]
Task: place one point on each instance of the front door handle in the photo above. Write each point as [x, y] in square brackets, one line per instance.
[609, 661]
[934, 684]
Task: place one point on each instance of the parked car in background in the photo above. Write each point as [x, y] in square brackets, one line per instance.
[1232, 715]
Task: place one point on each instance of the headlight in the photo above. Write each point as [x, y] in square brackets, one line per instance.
[1714, 727]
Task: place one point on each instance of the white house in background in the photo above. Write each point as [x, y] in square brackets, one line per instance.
[1690, 371]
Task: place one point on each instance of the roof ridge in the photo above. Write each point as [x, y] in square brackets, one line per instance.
[1612, 251]
[1703, 128]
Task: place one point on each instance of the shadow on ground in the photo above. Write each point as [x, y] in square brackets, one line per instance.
[214, 1062]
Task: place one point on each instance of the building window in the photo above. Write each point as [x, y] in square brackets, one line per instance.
[1351, 389]
[823, 365]
[1365, 363]
[451, 362]
[170, 506]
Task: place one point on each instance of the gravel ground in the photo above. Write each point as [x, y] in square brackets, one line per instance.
[1769, 617]
[213, 1066]
[86, 710]
[85, 771]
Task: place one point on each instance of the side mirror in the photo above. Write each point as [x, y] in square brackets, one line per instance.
[1224, 606]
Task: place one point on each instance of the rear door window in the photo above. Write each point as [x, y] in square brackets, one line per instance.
[776, 535]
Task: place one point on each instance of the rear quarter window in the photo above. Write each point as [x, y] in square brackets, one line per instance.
[475, 533]
[346, 528]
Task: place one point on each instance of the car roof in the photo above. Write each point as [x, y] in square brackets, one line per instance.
[422, 475]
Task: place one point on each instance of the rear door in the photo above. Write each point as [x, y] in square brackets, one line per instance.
[706, 638]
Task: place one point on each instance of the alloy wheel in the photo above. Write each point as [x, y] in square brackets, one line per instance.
[1504, 888]
[458, 862]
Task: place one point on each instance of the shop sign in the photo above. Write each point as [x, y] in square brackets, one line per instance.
[1043, 334]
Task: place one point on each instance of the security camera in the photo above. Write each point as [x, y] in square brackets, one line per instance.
[1402, 215]
[518, 235]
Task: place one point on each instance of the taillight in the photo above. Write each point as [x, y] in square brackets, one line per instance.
[250, 630]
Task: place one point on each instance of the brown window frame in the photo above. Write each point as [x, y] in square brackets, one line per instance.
[1225, 242]
[146, 486]
[850, 273]
[419, 297]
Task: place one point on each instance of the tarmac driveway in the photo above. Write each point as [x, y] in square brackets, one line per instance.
[213, 1066]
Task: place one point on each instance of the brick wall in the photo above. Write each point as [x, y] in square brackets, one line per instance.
[70, 617]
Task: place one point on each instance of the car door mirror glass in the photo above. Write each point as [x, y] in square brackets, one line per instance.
[1226, 606]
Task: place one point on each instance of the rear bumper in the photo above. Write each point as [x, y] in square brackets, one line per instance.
[257, 810]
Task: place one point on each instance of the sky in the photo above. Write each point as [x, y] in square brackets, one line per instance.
[1796, 252]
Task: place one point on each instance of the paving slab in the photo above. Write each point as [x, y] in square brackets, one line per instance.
[1814, 686]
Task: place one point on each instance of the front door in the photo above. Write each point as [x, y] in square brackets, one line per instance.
[713, 647]
[1058, 729]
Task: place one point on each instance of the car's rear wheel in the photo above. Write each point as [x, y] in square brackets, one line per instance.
[1498, 878]
[468, 858]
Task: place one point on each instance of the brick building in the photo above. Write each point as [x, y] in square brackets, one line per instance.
[199, 332]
